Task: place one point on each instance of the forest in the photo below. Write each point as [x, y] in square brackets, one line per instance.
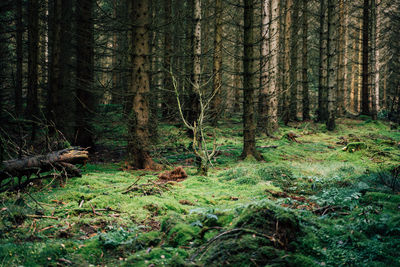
[199, 133]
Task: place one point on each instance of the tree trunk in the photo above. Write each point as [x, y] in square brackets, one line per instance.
[273, 89]
[196, 67]
[306, 95]
[218, 104]
[19, 52]
[286, 77]
[138, 135]
[375, 54]
[32, 108]
[332, 78]
[322, 88]
[340, 61]
[346, 59]
[249, 124]
[265, 64]
[365, 59]
[294, 28]
[59, 94]
[85, 102]
[168, 103]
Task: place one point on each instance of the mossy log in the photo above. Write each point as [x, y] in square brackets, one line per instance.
[62, 160]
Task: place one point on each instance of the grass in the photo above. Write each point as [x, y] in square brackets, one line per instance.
[355, 220]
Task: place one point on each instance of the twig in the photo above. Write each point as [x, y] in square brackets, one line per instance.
[42, 216]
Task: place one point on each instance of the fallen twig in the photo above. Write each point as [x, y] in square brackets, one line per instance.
[42, 216]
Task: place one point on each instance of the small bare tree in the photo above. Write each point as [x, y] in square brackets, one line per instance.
[204, 156]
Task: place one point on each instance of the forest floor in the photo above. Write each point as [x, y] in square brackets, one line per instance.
[309, 204]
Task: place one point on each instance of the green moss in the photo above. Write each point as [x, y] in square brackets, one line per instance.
[181, 234]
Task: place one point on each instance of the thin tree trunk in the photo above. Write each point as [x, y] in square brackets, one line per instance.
[375, 50]
[273, 89]
[19, 52]
[249, 124]
[353, 83]
[340, 61]
[322, 107]
[293, 88]
[346, 59]
[365, 60]
[265, 64]
[196, 67]
[306, 95]
[286, 77]
[218, 105]
[168, 95]
[360, 68]
[332, 78]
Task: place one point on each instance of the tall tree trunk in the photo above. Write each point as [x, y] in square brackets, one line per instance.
[168, 95]
[273, 89]
[218, 104]
[32, 108]
[19, 52]
[306, 95]
[346, 59]
[115, 63]
[265, 64]
[293, 88]
[196, 67]
[365, 59]
[375, 54]
[138, 135]
[360, 69]
[340, 61]
[59, 91]
[332, 78]
[249, 124]
[236, 76]
[85, 97]
[286, 63]
[322, 88]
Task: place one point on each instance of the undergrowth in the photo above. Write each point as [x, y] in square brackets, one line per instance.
[309, 204]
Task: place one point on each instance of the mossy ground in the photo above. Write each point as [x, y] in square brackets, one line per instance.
[332, 205]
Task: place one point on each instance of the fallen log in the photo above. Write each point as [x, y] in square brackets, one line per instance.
[63, 161]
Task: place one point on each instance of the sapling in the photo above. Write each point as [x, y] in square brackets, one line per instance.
[203, 155]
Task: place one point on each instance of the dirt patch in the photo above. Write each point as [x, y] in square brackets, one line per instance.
[178, 174]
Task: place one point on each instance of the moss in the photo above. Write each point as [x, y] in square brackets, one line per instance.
[158, 257]
[181, 234]
[353, 147]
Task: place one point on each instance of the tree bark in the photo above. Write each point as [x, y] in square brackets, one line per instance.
[375, 6]
[306, 95]
[85, 97]
[365, 59]
[19, 52]
[217, 104]
[332, 75]
[293, 89]
[340, 61]
[32, 108]
[168, 104]
[196, 67]
[139, 135]
[322, 88]
[265, 64]
[249, 124]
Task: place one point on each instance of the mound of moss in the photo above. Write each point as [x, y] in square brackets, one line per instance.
[261, 235]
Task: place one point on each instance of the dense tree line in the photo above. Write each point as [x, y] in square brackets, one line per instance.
[269, 61]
